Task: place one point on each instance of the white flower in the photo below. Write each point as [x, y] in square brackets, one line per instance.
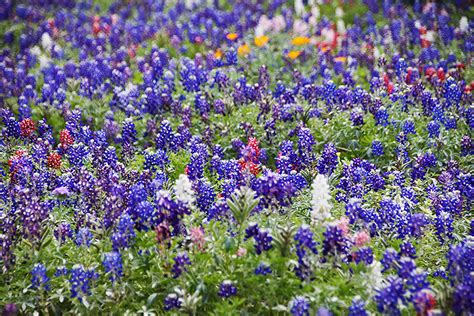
[464, 25]
[321, 197]
[183, 189]
[341, 28]
[35, 51]
[339, 12]
[299, 7]
[278, 23]
[264, 25]
[300, 27]
[374, 277]
[43, 61]
[313, 19]
[46, 41]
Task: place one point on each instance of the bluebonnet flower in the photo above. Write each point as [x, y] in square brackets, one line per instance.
[263, 269]
[304, 239]
[80, 281]
[299, 306]
[205, 195]
[357, 118]
[83, 237]
[408, 250]
[180, 263]
[390, 259]
[377, 148]
[227, 289]
[409, 127]
[433, 129]
[60, 271]
[274, 189]
[460, 271]
[113, 264]
[329, 160]
[305, 145]
[391, 296]
[364, 255]
[251, 230]
[452, 92]
[62, 232]
[335, 241]
[417, 281]
[357, 308]
[467, 147]
[172, 301]
[39, 279]
[124, 234]
[263, 241]
[128, 137]
[381, 117]
[405, 267]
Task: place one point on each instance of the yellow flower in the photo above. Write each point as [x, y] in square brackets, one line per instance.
[243, 50]
[232, 36]
[300, 41]
[261, 40]
[218, 54]
[341, 59]
[294, 54]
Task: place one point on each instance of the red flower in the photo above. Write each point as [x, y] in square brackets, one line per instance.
[18, 154]
[54, 160]
[429, 72]
[441, 74]
[27, 127]
[65, 138]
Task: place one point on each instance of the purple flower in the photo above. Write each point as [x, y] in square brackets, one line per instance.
[180, 263]
[227, 289]
[39, 279]
[389, 297]
[377, 148]
[263, 269]
[83, 237]
[329, 160]
[80, 281]
[172, 301]
[357, 308]
[113, 264]
[61, 191]
[299, 306]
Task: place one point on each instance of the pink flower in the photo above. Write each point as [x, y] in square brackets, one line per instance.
[197, 237]
[343, 224]
[361, 238]
[241, 252]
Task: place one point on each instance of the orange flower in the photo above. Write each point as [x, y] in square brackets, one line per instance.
[341, 59]
[325, 49]
[232, 36]
[243, 50]
[261, 40]
[294, 54]
[300, 41]
[218, 54]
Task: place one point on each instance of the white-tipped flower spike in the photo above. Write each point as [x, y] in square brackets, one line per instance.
[183, 189]
[321, 197]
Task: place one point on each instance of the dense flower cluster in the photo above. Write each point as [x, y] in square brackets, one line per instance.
[153, 151]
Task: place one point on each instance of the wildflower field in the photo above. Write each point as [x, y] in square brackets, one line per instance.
[247, 157]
